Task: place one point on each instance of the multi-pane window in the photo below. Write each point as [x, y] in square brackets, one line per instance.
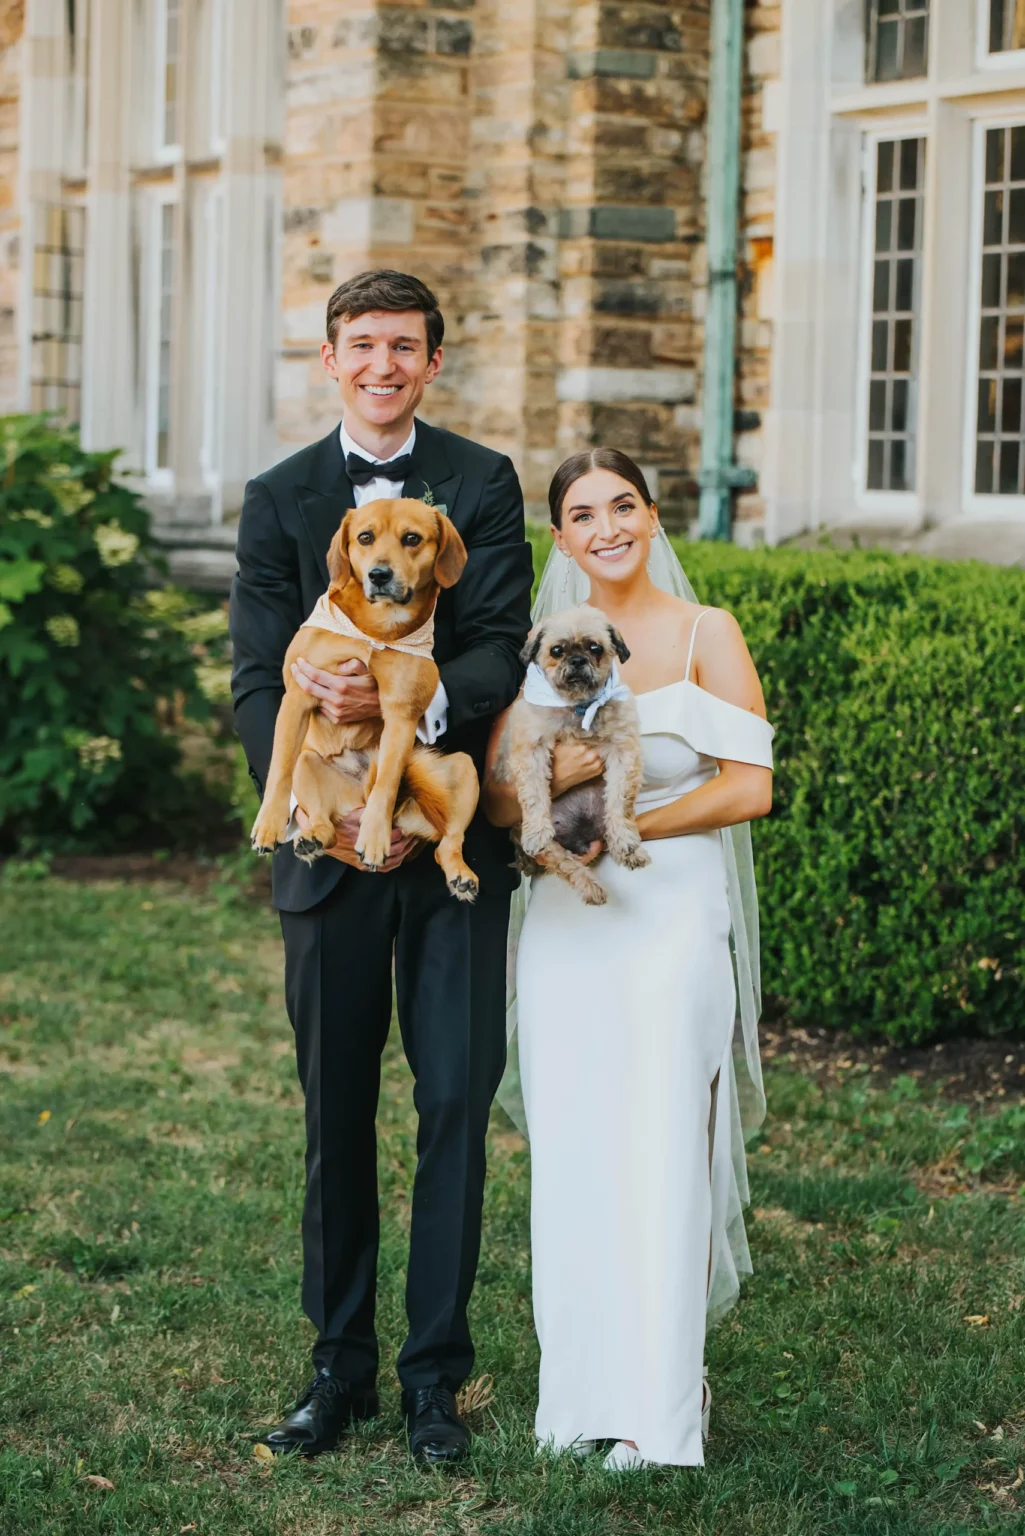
[999, 461]
[57, 279]
[896, 285]
[898, 39]
[170, 61]
[1006, 25]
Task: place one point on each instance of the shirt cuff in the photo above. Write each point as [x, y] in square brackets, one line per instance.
[435, 722]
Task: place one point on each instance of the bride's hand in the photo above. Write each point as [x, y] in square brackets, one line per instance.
[574, 763]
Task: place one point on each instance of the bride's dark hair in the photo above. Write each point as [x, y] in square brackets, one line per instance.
[579, 464]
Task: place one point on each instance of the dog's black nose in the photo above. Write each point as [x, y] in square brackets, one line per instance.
[579, 663]
[380, 575]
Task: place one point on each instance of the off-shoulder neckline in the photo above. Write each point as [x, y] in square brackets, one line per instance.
[688, 682]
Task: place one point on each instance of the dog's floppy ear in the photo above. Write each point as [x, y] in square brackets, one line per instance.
[533, 645]
[618, 644]
[338, 567]
[451, 558]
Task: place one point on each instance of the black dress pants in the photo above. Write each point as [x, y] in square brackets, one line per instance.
[449, 966]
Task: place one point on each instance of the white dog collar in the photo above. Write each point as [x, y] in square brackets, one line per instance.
[538, 690]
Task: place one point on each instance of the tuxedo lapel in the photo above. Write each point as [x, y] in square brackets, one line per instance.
[326, 497]
[432, 470]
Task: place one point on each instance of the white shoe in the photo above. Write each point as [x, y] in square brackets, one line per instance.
[625, 1458]
[579, 1448]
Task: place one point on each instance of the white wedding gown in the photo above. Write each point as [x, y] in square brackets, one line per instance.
[626, 1017]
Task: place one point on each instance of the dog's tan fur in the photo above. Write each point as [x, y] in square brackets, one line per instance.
[533, 732]
[335, 769]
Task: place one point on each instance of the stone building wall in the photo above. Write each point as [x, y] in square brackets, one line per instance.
[12, 21]
[540, 164]
[377, 123]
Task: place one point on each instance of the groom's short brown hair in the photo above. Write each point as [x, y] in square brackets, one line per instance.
[384, 289]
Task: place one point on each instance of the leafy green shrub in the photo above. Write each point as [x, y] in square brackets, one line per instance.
[892, 869]
[97, 669]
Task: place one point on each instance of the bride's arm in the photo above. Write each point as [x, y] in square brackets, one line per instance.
[572, 763]
[740, 791]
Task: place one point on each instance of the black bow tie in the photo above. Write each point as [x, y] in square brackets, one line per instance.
[360, 471]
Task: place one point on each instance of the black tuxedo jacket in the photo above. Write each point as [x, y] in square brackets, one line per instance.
[289, 516]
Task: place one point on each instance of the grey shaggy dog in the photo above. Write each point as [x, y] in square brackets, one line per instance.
[576, 650]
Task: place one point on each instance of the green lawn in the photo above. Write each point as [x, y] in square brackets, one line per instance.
[150, 1176]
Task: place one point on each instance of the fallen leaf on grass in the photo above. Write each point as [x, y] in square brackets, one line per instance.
[476, 1395]
[263, 1452]
[998, 1433]
[26, 1290]
[43, 1116]
[977, 1319]
[980, 1426]
[186, 1528]
[96, 1481]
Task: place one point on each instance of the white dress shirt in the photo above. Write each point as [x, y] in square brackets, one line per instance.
[435, 722]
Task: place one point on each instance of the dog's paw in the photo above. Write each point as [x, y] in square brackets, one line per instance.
[263, 839]
[309, 849]
[535, 838]
[630, 855]
[593, 892]
[373, 850]
[464, 889]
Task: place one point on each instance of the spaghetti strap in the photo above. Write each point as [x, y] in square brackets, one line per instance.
[690, 652]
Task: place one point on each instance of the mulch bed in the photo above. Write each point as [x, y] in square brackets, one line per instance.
[966, 1067]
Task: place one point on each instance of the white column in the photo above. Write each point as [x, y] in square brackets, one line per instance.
[793, 425]
[111, 393]
[251, 231]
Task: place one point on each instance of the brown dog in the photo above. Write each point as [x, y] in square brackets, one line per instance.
[386, 564]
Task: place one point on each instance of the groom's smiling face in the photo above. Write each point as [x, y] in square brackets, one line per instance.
[380, 361]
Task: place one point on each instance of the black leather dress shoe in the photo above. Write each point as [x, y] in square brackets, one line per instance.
[436, 1432]
[321, 1416]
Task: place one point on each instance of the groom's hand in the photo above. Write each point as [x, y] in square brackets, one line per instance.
[344, 696]
[345, 848]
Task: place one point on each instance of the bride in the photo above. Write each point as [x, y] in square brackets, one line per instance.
[637, 1021]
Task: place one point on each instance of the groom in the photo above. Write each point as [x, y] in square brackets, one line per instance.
[342, 925]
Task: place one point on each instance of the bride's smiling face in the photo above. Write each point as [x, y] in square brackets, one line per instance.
[606, 527]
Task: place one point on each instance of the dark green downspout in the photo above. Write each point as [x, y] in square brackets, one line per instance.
[720, 475]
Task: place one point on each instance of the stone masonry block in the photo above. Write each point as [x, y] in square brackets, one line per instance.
[640, 26]
[610, 223]
[627, 63]
[402, 31]
[454, 36]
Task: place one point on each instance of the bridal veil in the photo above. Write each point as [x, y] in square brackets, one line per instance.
[564, 585]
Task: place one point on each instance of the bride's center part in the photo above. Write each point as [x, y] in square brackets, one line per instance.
[606, 526]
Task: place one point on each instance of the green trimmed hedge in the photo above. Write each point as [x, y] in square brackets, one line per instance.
[891, 871]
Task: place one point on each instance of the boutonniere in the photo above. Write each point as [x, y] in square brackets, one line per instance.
[428, 499]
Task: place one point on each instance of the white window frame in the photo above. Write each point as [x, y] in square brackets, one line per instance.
[159, 477]
[164, 153]
[1009, 59]
[214, 235]
[866, 500]
[974, 502]
[218, 55]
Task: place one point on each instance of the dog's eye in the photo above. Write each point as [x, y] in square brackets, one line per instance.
[557, 651]
[594, 648]
[411, 540]
[365, 538]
